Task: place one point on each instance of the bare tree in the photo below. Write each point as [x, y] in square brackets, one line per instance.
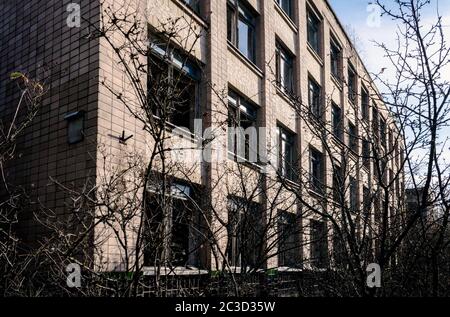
[13, 199]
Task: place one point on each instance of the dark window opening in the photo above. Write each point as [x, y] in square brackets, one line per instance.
[75, 127]
[245, 234]
[288, 240]
[365, 100]
[316, 171]
[313, 29]
[339, 251]
[336, 114]
[335, 56]
[353, 194]
[172, 235]
[352, 137]
[319, 244]
[383, 132]
[287, 157]
[193, 4]
[287, 7]
[352, 92]
[366, 154]
[367, 203]
[338, 184]
[375, 122]
[314, 98]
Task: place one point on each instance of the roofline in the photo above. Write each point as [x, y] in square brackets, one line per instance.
[327, 2]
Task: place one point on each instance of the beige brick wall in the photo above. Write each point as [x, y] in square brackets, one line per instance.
[84, 64]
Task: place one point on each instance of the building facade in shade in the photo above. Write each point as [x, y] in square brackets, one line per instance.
[317, 135]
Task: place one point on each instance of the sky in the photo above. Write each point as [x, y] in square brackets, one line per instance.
[361, 21]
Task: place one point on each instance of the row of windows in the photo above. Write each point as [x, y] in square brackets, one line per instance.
[182, 227]
[183, 230]
[242, 33]
[243, 114]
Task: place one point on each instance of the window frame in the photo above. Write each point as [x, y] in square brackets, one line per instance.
[375, 121]
[195, 6]
[366, 153]
[383, 131]
[365, 103]
[76, 123]
[338, 183]
[284, 57]
[335, 63]
[241, 12]
[352, 84]
[353, 138]
[313, 20]
[353, 194]
[242, 109]
[315, 94]
[337, 124]
[237, 242]
[186, 67]
[367, 203]
[319, 244]
[290, 10]
[177, 192]
[317, 183]
[288, 257]
[287, 169]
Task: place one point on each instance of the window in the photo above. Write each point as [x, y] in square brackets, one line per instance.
[365, 104]
[339, 250]
[353, 194]
[397, 186]
[314, 97]
[335, 56]
[288, 240]
[391, 141]
[193, 4]
[352, 137]
[384, 171]
[287, 157]
[75, 127]
[287, 6]
[174, 82]
[241, 24]
[366, 153]
[375, 123]
[172, 236]
[383, 132]
[242, 130]
[245, 234]
[366, 203]
[284, 69]
[314, 31]
[336, 114]
[319, 244]
[352, 84]
[316, 170]
[337, 184]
